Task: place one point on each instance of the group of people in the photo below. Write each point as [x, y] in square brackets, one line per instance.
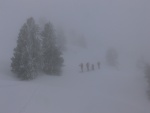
[88, 66]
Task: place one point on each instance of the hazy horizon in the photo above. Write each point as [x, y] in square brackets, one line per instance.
[91, 27]
[123, 24]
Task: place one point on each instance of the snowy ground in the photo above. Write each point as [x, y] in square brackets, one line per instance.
[108, 90]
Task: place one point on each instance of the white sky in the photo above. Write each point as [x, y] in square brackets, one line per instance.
[120, 23]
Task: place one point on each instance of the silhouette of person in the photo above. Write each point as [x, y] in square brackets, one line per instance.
[87, 66]
[81, 65]
[98, 64]
[92, 66]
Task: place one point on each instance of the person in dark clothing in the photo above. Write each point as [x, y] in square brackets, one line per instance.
[92, 67]
[87, 66]
[98, 64]
[81, 65]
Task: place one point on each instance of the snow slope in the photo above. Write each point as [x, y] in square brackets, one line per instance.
[108, 90]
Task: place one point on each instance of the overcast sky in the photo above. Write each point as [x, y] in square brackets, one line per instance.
[121, 23]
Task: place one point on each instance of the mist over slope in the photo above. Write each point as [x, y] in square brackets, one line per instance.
[123, 25]
[106, 90]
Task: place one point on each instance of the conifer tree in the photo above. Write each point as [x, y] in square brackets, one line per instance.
[147, 75]
[112, 57]
[61, 40]
[25, 62]
[51, 54]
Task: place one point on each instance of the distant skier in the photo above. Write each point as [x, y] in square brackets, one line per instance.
[87, 66]
[92, 67]
[98, 64]
[81, 65]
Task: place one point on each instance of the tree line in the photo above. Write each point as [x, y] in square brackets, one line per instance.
[36, 51]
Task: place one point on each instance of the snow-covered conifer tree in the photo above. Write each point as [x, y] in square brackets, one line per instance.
[25, 62]
[61, 40]
[51, 54]
[112, 57]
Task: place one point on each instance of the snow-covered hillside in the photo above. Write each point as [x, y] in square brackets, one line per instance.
[94, 26]
[108, 90]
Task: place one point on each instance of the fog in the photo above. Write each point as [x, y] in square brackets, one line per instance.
[123, 24]
[91, 27]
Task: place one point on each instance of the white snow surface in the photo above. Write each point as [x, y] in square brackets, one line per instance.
[108, 90]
